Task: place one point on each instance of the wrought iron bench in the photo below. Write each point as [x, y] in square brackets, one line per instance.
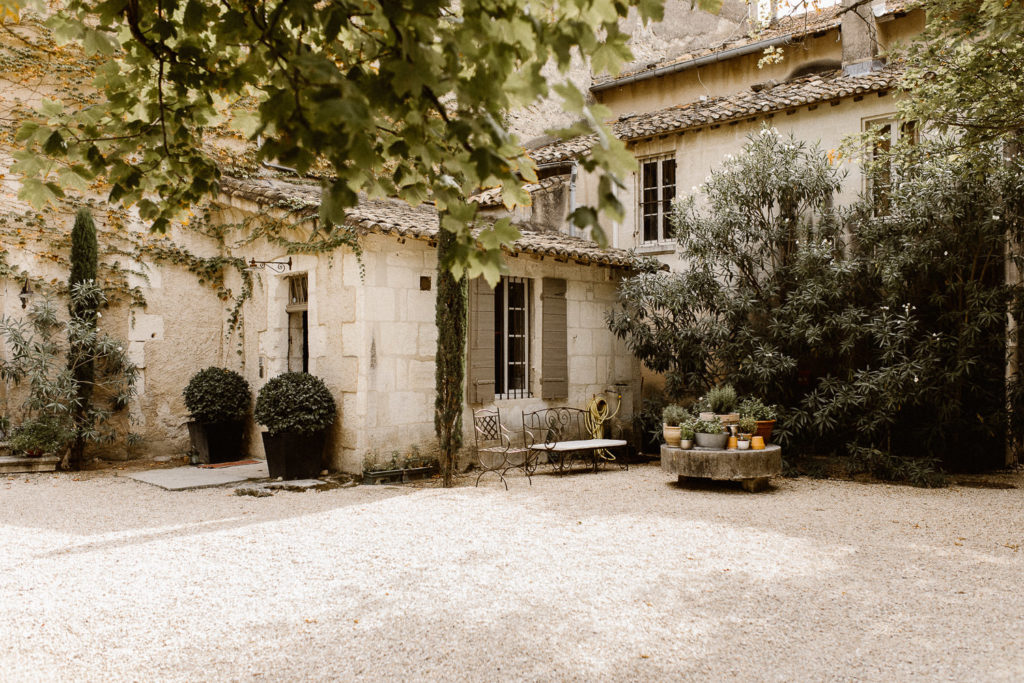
[567, 434]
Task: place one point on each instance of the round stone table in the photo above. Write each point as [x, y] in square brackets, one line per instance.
[751, 468]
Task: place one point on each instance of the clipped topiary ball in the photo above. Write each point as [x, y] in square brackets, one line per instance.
[217, 395]
[295, 402]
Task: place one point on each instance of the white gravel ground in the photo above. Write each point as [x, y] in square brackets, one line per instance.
[609, 576]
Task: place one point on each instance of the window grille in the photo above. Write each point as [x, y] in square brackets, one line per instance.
[512, 337]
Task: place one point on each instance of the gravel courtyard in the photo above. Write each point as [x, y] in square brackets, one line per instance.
[609, 576]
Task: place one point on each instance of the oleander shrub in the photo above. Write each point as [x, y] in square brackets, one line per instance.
[877, 331]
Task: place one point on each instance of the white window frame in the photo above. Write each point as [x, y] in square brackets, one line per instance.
[897, 130]
[501, 346]
[662, 202]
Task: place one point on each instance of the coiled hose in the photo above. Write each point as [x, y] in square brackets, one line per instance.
[595, 417]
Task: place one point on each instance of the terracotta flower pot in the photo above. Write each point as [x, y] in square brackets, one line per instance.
[671, 435]
[764, 429]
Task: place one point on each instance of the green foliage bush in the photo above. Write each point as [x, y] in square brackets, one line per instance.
[295, 402]
[48, 434]
[722, 399]
[878, 329]
[757, 409]
[216, 395]
[708, 426]
[747, 425]
[686, 430]
[47, 353]
[673, 415]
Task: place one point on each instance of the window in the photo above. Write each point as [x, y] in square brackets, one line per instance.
[658, 189]
[501, 349]
[889, 131]
[512, 337]
[298, 323]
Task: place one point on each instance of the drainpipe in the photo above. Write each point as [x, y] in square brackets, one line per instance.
[572, 197]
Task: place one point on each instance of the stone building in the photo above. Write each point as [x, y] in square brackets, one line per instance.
[821, 75]
[365, 322]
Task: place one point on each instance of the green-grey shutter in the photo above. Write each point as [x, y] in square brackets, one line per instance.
[554, 343]
[480, 365]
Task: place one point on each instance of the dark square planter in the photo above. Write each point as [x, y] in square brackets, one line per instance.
[217, 441]
[294, 456]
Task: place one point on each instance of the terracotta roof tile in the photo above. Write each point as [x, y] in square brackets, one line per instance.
[396, 218]
[820, 87]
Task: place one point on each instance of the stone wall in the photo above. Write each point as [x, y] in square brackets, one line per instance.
[373, 339]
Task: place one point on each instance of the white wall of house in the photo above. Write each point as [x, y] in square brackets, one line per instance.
[372, 339]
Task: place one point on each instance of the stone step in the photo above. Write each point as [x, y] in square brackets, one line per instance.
[19, 464]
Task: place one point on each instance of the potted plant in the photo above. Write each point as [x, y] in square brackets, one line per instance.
[710, 433]
[721, 402]
[40, 436]
[686, 435]
[764, 414]
[671, 417]
[296, 408]
[218, 400]
[746, 427]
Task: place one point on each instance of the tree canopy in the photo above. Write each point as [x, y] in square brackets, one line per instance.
[966, 69]
[404, 98]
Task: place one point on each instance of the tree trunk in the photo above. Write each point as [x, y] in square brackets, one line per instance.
[450, 317]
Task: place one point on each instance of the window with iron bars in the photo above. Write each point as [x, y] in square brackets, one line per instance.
[512, 338]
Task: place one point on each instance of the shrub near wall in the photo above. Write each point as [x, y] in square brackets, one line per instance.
[888, 345]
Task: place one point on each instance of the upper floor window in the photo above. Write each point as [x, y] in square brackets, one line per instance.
[657, 190]
[888, 132]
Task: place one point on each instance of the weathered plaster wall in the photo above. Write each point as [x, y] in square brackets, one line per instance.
[373, 339]
[179, 331]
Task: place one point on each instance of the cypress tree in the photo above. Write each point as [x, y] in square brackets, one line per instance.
[450, 317]
[84, 312]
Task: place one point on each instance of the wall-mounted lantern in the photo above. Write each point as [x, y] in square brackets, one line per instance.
[276, 266]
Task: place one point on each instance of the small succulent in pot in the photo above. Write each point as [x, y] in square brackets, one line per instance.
[686, 430]
[708, 427]
[747, 426]
[757, 409]
[295, 402]
[217, 395]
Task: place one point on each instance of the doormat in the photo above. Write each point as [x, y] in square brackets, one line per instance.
[217, 465]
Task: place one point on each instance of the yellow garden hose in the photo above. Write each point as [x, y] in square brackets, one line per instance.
[595, 417]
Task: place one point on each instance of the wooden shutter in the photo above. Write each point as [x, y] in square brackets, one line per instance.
[480, 365]
[554, 373]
